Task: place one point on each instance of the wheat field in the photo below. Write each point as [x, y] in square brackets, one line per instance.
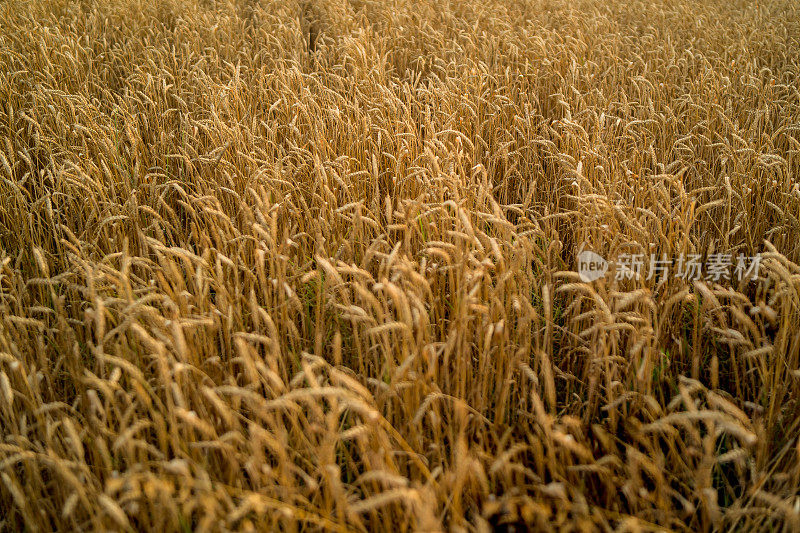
[311, 265]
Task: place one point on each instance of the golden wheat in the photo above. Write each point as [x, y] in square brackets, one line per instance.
[312, 265]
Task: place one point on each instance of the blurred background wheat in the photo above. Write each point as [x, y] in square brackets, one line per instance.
[310, 265]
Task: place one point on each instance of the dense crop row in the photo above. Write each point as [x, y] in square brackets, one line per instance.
[312, 265]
